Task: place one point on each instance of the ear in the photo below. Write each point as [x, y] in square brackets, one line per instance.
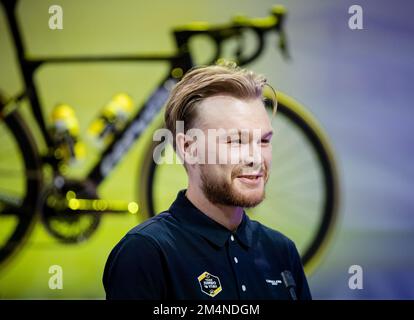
[186, 148]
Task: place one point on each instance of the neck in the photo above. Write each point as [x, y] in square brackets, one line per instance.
[228, 216]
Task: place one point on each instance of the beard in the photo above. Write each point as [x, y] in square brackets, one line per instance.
[221, 191]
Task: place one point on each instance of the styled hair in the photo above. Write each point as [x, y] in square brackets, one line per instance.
[225, 78]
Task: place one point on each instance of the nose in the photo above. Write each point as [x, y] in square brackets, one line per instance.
[252, 156]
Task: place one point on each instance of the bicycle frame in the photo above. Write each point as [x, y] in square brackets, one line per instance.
[132, 131]
[182, 60]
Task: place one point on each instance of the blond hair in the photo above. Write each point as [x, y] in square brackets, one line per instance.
[200, 83]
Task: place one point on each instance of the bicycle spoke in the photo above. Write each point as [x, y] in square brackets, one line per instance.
[297, 181]
[296, 198]
[292, 170]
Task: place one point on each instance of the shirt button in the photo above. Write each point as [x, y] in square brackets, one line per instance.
[236, 260]
[232, 238]
[243, 287]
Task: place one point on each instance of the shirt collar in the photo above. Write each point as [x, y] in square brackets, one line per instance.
[197, 221]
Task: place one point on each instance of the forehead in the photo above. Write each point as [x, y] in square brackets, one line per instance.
[228, 112]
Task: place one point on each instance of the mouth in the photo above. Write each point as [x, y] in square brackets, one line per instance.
[250, 179]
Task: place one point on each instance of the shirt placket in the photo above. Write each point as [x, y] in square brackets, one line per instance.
[236, 258]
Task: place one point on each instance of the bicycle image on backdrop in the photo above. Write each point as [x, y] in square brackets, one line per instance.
[302, 193]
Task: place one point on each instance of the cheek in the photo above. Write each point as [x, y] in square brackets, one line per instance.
[224, 172]
[267, 156]
[216, 153]
[218, 172]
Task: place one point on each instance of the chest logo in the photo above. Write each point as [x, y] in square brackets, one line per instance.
[210, 285]
[274, 282]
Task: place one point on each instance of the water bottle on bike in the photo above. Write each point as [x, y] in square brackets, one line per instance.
[65, 132]
[112, 119]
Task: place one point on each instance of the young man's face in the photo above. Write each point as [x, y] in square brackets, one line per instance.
[237, 154]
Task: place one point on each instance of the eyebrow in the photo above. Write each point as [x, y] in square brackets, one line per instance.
[239, 132]
[268, 134]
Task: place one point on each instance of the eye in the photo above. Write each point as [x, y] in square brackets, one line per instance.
[235, 141]
[265, 141]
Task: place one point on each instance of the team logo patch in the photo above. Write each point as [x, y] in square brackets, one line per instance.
[209, 284]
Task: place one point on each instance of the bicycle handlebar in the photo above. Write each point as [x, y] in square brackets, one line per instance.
[218, 33]
[221, 33]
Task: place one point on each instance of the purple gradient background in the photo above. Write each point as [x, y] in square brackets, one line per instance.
[360, 86]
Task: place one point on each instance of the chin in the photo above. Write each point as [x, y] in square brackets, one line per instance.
[248, 197]
[238, 192]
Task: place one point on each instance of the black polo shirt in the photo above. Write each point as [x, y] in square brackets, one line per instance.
[184, 254]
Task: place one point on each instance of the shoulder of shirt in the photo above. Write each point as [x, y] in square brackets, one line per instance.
[277, 240]
[141, 239]
[152, 229]
[273, 235]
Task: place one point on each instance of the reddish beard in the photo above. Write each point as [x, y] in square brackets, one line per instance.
[221, 191]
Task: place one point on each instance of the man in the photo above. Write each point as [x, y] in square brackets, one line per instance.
[205, 246]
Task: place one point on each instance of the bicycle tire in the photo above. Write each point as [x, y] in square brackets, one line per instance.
[315, 137]
[14, 129]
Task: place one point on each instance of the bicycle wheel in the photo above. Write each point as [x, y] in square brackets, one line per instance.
[20, 182]
[302, 190]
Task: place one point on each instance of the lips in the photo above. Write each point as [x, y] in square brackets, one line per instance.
[251, 176]
[250, 179]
